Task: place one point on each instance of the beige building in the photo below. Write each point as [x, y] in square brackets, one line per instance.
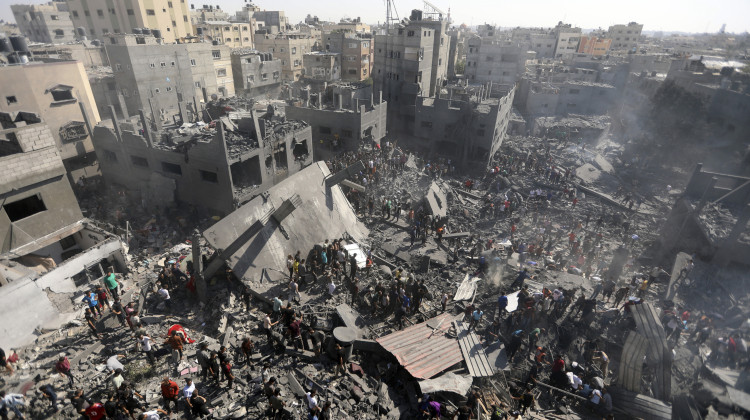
[231, 34]
[289, 48]
[60, 94]
[49, 22]
[206, 13]
[357, 53]
[102, 17]
[346, 25]
[322, 66]
[625, 37]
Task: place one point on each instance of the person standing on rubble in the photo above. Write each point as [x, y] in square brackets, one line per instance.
[339, 370]
[111, 282]
[93, 302]
[169, 392]
[176, 343]
[90, 318]
[294, 291]
[476, 316]
[226, 367]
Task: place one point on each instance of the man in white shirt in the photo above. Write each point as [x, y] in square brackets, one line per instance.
[188, 389]
[331, 287]
[146, 345]
[12, 402]
[164, 293]
[113, 363]
[312, 400]
[153, 414]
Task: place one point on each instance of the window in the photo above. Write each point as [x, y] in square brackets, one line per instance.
[54, 17]
[105, 31]
[163, 64]
[118, 66]
[210, 176]
[244, 28]
[100, 12]
[171, 168]
[192, 62]
[109, 156]
[410, 33]
[173, 63]
[11, 100]
[152, 65]
[228, 40]
[250, 78]
[75, 13]
[68, 242]
[184, 18]
[264, 76]
[324, 130]
[169, 3]
[86, 13]
[139, 161]
[169, 88]
[150, 12]
[197, 84]
[62, 95]
[275, 75]
[352, 71]
[157, 90]
[221, 72]
[24, 208]
[281, 49]
[216, 54]
[113, 40]
[294, 50]
[72, 131]
[246, 39]
[346, 133]
[131, 12]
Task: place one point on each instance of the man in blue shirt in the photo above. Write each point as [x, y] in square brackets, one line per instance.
[406, 304]
[93, 302]
[475, 317]
[502, 303]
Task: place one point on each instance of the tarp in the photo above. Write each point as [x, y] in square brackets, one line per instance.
[450, 382]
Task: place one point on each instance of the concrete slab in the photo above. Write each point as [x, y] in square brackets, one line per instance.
[322, 214]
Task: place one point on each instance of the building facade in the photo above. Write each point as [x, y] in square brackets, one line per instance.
[231, 34]
[322, 66]
[49, 22]
[357, 53]
[156, 77]
[568, 38]
[625, 37]
[256, 74]
[217, 168]
[60, 94]
[489, 59]
[207, 13]
[100, 18]
[594, 45]
[289, 48]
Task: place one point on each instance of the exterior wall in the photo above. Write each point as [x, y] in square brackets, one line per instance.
[357, 53]
[289, 49]
[273, 20]
[594, 45]
[167, 73]
[86, 53]
[543, 44]
[203, 15]
[567, 41]
[35, 169]
[322, 66]
[491, 60]
[104, 17]
[231, 34]
[354, 26]
[31, 86]
[48, 22]
[255, 75]
[350, 127]
[625, 37]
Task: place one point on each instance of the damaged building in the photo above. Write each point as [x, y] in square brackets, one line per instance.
[361, 121]
[256, 74]
[48, 251]
[216, 166]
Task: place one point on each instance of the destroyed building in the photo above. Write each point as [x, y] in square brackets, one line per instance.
[256, 74]
[541, 98]
[288, 47]
[321, 66]
[356, 50]
[49, 22]
[154, 76]
[216, 167]
[60, 94]
[494, 58]
[468, 125]
[362, 121]
[46, 246]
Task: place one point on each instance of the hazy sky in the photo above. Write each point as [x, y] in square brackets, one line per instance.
[667, 15]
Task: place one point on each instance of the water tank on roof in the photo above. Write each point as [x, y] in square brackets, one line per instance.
[13, 59]
[19, 43]
[146, 31]
[156, 33]
[215, 42]
[137, 31]
[24, 59]
[5, 45]
[96, 43]
[199, 31]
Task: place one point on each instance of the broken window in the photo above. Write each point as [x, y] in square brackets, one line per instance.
[62, 94]
[221, 72]
[72, 131]
[11, 99]
[109, 156]
[67, 242]
[171, 168]
[300, 150]
[24, 208]
[139, 161]
[247, 173]
[279, 155]
[216, 54]
[209, 176]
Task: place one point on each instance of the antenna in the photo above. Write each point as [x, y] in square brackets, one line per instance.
[431, 9]
[390, 10]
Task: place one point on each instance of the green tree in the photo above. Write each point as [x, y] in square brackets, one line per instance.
[460, 66]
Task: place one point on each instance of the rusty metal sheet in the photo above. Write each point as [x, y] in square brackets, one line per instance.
[423, 351]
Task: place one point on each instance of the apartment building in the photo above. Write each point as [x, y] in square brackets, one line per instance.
[322, 66]
[206, 13]
[101, 18]
[231, 34]
[157, 77]
[49, 22]
[568, 38]
[256, 74]
[356, 50]
[625, 37]
[289, 48]
[495, 59]
[594, 45]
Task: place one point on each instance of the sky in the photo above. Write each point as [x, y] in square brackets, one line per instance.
[656, 15]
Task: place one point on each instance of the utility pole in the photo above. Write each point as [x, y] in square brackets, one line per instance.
[200, 282]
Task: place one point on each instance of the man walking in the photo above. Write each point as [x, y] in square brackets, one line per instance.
[169, 391]
[63, 367]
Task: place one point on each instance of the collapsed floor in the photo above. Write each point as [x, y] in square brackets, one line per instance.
[617, 236]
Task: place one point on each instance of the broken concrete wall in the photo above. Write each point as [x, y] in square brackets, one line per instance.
[726, 183]
[37, 175]
[683, 231]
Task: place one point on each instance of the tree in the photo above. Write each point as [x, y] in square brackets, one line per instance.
[460, 66]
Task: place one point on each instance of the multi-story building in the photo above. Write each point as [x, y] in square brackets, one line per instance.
[231, 34]
[273, 21]
[468, 126]
[101, 18]
[157, 77]
[206, 13]
[625, 37]
[357, 53]
[594, 45]
[287, 47]
[59, 92]
[256, 74]
[568, 38]
[411, 60]
[494, 59]
[322, 66]
[49, 22]
[542, 98]
[84, 51]
[337, 127]
[218, 168]
[346, 25]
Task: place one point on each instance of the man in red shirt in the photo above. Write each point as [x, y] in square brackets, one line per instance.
[169, 391]
[95, 411]
[558, 365]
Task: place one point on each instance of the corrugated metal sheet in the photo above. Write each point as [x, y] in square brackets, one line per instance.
[631, 362]
[473, 352]
[423, 351]
[466, 289]
[658, 354]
